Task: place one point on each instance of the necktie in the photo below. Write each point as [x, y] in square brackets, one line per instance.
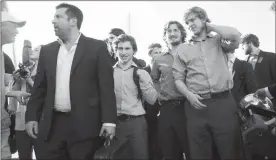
[253, 60]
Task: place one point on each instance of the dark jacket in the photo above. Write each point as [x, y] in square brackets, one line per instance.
[91, 89]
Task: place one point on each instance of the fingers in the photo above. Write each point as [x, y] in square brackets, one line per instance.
[270, 122]
[36, 128]
[31, 129]
[101, 132]
[197, 103]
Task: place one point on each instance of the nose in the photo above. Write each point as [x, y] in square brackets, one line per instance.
[53, 21]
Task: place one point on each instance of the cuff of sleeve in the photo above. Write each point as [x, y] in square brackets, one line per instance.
[178, 76]
[268, 93]
[109, 124]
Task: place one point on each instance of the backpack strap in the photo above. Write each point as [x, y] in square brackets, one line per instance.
[136, 81]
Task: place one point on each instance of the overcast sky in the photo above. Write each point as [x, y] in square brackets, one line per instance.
[142, 19]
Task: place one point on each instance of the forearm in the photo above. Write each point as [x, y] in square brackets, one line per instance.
[149, 93]
[225, 32]
[30, 82]
[182, 88]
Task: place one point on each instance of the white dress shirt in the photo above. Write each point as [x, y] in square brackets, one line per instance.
[64, 63]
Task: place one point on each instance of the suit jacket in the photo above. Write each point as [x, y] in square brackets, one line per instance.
[244, 79]
[272, 90]
[265, 69]
[91, 89]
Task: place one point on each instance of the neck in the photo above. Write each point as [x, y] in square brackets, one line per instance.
[71, 37]
[173, 49]
[255, 51]
[126, 65]
[200, 36]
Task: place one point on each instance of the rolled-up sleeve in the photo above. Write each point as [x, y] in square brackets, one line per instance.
[179, 68]
[149, 93]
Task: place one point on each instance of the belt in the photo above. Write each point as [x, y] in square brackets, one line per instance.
[61, 113]
[125, 117]
[172, 101]
[214, 95]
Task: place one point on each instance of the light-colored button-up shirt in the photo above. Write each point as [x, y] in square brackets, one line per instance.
[126, 91]
[231, 60]
[202, 65]
[161, 74]
[64, 63]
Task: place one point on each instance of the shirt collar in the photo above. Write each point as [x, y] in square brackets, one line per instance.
[192, 39]
[118, 66]
[61, 42]
[231, 57]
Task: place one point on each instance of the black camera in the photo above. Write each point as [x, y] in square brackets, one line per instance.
[22, 70]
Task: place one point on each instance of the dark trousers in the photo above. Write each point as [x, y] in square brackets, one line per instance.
[136, 131]
[172, 130]
[151, 118]
[62, 144]
[218, 124]
[24, 145]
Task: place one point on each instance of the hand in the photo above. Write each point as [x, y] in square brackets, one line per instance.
[261, 93]
[19, 95]
[107, 131]
[194, 99]
[16, 76]
[208, 30]
[32, 129]
[271, 122]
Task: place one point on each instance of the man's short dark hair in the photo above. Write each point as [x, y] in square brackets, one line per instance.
[179, 26]
[72, 12]
[117, 31]
[250, 38]
[152, 46]
[125, 38]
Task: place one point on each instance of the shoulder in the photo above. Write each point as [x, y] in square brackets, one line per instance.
[50, 45]
[269, 54]
[94, 42]
[143, 72]
[160, 57]
[184, 46]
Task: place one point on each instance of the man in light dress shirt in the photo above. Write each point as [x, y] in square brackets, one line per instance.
[131, 120]
[202, 76]
[73, 100]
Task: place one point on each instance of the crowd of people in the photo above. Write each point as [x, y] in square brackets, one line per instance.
[70, 94]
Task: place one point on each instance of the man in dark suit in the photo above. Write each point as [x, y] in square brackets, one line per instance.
[73, 99]
[243, 77]
[264, 63]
